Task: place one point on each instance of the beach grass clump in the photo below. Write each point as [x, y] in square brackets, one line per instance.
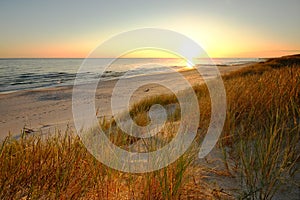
[262, 126]
[60, 167]
[261, 133]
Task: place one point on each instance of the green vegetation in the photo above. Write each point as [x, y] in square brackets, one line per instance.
[261, 136]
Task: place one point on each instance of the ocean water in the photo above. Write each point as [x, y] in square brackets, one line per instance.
[24, 74]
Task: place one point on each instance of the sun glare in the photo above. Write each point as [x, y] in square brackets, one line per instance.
[189, 65]
[186, 63]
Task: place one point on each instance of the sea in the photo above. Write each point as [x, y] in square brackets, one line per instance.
[32, 73]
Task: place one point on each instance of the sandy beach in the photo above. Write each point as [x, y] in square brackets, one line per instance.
[242, 160]
[119, 100]
[48, 110]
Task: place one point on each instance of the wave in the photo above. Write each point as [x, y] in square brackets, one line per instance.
[52, 79]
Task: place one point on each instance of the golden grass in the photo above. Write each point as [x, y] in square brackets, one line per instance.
[261, 132]
[262, 126]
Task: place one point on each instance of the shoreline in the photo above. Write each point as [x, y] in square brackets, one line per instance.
[50, 109]
[115, 78]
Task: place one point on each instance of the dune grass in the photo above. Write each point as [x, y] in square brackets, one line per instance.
[262, 126]
[61, 168]
[261, 135]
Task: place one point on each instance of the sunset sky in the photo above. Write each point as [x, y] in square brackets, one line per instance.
[224, 28]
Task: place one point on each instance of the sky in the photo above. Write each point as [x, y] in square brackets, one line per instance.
[224, 28]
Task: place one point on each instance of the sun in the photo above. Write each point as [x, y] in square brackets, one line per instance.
[189, 65]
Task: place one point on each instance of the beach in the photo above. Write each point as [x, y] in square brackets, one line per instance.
[58, 163]
[162, 100]
[49, 110]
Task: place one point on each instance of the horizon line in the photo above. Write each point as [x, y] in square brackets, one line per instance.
[219, 57]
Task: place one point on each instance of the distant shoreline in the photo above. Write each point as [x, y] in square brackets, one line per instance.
[49, 109]
[32, 74]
